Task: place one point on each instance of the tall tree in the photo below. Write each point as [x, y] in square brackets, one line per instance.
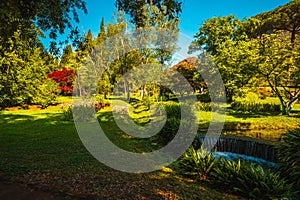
[50, 16]
[278, 63]
[67, 57]
[23, 74]
[285, 18]
[101, 35]
[219, 36]
[134, 9]
[246, 50]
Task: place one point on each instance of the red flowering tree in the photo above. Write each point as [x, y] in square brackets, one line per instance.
[65, 78]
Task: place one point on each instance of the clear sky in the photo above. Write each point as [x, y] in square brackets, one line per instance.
[194, 12]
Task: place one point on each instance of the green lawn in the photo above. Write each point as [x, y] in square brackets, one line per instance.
[40, 149]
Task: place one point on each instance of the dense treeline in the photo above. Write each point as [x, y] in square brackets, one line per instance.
[259, 51]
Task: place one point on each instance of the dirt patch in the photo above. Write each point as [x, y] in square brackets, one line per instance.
[13, 191]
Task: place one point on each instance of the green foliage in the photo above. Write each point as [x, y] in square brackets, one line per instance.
[247, 179]
[44, 95]
[288, 155]
[67, 113]
[204, 97]
[82, 112]
[252, 103]
[257, 183]
[226, 172]
[250, 180]
[172, 123]
[147, 101]
[255, 106]
[197, 164]
[260, 49]
[30, 15]
[204, 106]
[170, 8]
[23, 74]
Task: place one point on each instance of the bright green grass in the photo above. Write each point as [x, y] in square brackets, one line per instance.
[39, 148]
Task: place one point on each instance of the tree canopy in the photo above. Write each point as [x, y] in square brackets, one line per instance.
[134, 8]
[261, 49]
[38, 17]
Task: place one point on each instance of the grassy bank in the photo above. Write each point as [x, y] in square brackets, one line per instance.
[40, 149]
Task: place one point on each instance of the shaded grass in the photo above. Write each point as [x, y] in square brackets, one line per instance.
[41, 150]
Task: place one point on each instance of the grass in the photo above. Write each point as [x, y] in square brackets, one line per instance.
[39, 149]
[264, 126]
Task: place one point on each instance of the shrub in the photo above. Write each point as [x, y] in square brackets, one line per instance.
[255, 182]
[147, 101]
[288, 155]
[65, 79]
[226, 172]
[204, 97]
[44, 95]
[255, 107]
[204, 106]
[101, 102]
[250, 180]
[170, 129]
[83, 112]
[197, 164]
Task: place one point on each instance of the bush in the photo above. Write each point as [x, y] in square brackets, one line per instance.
[288, 155]
[226, 172]
[170, 129]
[250, 180]
[204, 97]
[251, 103]
[204, 106]
[255, 107]
[84, 112]
[65, 79]
[255, 182]
[197, 164]
[172, 123]
[101, 102]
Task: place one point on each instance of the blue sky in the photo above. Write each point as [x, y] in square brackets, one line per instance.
[194, 12]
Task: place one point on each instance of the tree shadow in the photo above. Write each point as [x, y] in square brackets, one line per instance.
[246, 114]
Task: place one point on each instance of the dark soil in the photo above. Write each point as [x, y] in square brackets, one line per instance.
[14, 191]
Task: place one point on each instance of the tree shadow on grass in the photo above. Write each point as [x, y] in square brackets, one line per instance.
[247, 114]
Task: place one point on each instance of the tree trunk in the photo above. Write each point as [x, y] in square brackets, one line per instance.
[126, 89]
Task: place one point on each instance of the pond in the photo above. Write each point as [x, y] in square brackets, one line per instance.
[237, 147]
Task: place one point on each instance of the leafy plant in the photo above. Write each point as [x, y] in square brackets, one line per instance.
[255, 106]
[288, 155]
[250, 180]
[198, 163]
[204, 106]
[83, 112]
[257, 183]
[226, 172]
[65, 79]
